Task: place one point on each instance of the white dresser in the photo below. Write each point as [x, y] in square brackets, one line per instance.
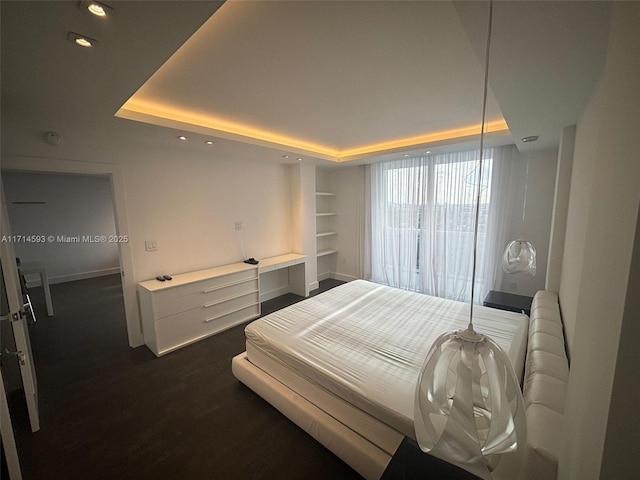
[195, 305]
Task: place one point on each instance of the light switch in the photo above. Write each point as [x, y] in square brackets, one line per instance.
[150, 245]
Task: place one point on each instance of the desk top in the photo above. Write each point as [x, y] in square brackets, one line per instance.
[287, 257]
[190, 277]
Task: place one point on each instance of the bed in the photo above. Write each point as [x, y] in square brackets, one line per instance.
[343, 365]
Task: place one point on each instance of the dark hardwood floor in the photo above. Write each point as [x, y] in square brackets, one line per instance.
[108, 411]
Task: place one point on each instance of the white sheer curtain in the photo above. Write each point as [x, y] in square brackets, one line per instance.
[422, 219]
[506, 186]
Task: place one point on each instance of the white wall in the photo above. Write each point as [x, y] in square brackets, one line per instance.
[185, 196]
[560, 207]
[537, 218]
[348, 183]
[594, 287]
[302, 182]
[73, 206]
[620, 455]
[189, 206]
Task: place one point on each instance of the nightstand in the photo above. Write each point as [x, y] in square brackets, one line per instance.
[508, 301]
[411, 463]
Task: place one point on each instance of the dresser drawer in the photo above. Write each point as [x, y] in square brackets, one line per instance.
[178, 330]
[205, 286]
[204, 297]
[197, 304]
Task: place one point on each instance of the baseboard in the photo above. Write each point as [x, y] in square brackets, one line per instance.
[276, 292]
[75, 276]
[336, 276]
[324, 276]
[344, 278]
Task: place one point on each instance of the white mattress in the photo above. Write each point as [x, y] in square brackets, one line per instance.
[366, 343]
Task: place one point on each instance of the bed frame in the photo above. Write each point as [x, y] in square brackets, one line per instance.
[367, 445]
[335, 423]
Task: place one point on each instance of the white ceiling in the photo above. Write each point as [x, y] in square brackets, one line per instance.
[333, 75]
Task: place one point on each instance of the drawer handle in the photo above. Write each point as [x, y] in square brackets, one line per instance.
[226, 299]
[230, 312]
[237, 282]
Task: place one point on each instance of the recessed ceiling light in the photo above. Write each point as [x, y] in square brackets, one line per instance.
[81, 40]
[285, 156]
[428, 151]
[98, 9]
[209, 142]
[299, 159]
[182, 137]
[406, 155]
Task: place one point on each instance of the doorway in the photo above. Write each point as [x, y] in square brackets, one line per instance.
[114, 173]
[63, 222]
[64, 231]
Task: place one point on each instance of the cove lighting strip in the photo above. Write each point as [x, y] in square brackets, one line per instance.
[172, 117]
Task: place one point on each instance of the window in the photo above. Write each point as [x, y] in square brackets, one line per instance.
[422, 223]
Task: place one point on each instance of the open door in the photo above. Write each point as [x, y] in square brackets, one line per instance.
[6, 435]
[14, 312]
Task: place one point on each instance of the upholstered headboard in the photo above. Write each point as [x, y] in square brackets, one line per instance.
[545, 386]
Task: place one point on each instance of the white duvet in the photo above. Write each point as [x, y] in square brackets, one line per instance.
[367, 342]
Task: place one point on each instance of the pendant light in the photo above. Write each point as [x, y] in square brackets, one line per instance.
[520, 255]
[468, 406]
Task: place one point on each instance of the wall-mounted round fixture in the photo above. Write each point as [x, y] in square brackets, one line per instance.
[52, 138]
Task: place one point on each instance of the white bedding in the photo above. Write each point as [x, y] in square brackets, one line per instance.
[366, 343]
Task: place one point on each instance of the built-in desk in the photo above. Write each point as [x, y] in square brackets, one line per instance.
[296, 263]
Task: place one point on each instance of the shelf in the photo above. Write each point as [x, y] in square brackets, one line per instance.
[325, 214]
[325, 194]
[322, 253]
[326, 234]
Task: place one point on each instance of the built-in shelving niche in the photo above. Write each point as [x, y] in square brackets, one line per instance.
[326, 227]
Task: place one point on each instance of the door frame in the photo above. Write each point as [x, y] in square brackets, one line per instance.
[125, 256]
[17, 318]
[6, 434]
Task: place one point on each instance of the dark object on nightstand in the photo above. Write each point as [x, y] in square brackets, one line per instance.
[411, 463]
[508, 301]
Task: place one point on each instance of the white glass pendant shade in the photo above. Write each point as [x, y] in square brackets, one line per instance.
[468, 406]
[519, 256]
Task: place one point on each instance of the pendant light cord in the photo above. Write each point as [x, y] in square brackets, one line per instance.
[480, 165]
[526, 187]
